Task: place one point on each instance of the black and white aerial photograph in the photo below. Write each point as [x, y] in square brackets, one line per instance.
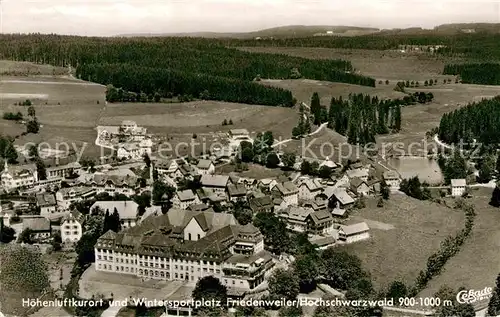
[249, 158]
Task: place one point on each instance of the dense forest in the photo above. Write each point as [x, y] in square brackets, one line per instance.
[182, 65]
[479, 121]
[475, 73]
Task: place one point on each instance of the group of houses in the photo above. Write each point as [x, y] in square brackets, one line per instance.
[130, 141]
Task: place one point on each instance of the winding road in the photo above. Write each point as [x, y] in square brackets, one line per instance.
[323, 125]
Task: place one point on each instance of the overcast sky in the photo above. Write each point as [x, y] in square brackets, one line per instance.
[112, 17]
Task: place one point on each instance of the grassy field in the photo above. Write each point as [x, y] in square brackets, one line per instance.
[477, 264]
[381, 65]
[71, 109]
[12, 68]
[400, 253]
[303, 89]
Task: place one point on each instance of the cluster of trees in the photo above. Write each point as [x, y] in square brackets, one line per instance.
[260, 151]
[453, 167]
[494, 303]
[304, 126]
[7, 150]
[361, 117]
[25, 103]
[449, 247]
[401, 85]
[476, 73]
[226, 122]
[24, 274]
[479, 121]
[13, 116]
[32, 126]
[414, 188]
[313, 169]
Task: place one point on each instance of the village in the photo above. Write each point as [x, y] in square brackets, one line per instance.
[185, 202]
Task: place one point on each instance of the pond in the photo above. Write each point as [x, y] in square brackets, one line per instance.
[409, 166]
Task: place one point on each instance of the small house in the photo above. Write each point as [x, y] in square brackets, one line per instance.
[353, 233]
[392, 179]
[458, 187]
[72, 227]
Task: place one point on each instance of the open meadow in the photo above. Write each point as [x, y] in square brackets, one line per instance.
[477, 264]
[12, 68]
[69, 110]
[381, 65]
[404, 233]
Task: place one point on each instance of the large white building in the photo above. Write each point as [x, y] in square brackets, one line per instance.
[18, 177]
[288, 192]
[186, 246]
[184, 199]
[392, 179]
[353, 233]
[309, 189]
[72, 227]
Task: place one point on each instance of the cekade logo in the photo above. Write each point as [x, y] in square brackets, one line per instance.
[472, 296]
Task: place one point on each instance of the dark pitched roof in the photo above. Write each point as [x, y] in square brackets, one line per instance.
[321, 216]
[202, 221]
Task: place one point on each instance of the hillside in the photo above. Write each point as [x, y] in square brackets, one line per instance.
[276, 32]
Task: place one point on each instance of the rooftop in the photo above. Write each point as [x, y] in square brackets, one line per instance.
[186, 195]
[214, 180]
[391, 175]
[37, 224]
[237, 190]
[458, 183]
[46, 200]
[355, 228]
[204, 164]
[126, 209]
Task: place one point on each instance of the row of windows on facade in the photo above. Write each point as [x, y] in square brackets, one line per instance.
[134, 261]
[68, 227]
[147, 257]
[160, 274]
[69, 233]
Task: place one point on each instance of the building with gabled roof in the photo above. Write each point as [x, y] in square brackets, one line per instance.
[353, 233]
[40, 228]
[237, 192]
[361, 173]
[18, 177]
[286, 191]
[47, 204]
[359, 187]
[184, 199]
[261, 204]
[392, 179]
[114, 184]
[187, 245]
[309, 188]
[218, 183]
[72, 227]
[340, 198]
[126, 209]
[300, 219]
[205, 167]
[66, 196]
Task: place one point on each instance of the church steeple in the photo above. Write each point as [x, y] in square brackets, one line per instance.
[6, 166]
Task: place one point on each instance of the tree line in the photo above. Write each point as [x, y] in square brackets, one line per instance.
[477, 120]
[151, 84]
[475, 73]
[184, 65]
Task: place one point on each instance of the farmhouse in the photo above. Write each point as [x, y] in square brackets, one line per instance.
[72, 227]
[184, 199]
[18, 177]
[205, 167]
[309, 188]
[458, 187]
[186, 246]
[354, 233]
[39, 226]
[66, 196]
[323, 242]
[392, 179]
[286, 191]
[218, 183]
[339, 197]
[47, 204]
[359, 187]
[126, 209]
